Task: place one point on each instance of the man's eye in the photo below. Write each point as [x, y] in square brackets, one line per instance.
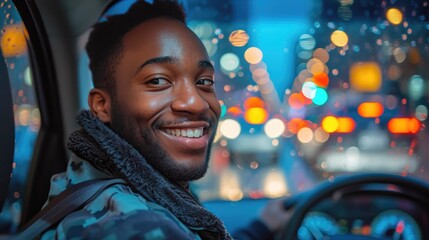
[159, 81]
[205, 82]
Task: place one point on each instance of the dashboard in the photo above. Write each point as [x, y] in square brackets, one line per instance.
[380, 211]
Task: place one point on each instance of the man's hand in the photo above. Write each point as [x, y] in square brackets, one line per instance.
[274, 215]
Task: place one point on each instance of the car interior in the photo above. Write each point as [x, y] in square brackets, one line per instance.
[324, 105]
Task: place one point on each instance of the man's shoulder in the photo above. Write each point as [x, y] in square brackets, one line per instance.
[121, 214]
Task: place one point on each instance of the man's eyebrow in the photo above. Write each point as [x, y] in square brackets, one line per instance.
[165, 59]
[205, 64]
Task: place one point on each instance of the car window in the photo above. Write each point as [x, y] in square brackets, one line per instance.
[310, 90]
[15, 50]
[314, 89]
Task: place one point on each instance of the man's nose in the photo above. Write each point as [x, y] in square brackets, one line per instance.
[188, 98]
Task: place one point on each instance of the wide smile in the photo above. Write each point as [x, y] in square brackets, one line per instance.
[186, 137]
[189, 132]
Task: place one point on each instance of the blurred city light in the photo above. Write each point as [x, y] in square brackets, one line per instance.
[416, 87]
[275, 184]
[307, 42]
[403, 125]
[238, 38]
[229, 186]
[345, 125]
[394, 16]
[370, 109]
[305, 135]
[13, 42]
[274, 128]
[253, 55]
[330, 124]
[230, 128]
[365, 76]
[321, 79]
[339, 38]
[321, 135]
[421, 112]
[321, 54]
[256, 115]
[321, 96]
[229, 62]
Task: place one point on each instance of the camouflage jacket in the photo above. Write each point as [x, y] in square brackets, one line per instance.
[116, 213]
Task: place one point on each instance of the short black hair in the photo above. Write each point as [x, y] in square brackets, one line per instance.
[104, 46]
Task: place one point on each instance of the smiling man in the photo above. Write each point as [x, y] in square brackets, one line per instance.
[152, 119]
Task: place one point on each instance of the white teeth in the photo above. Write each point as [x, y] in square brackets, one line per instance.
[191, 133]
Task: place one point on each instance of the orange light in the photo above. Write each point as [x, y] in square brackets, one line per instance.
[370, 109]
[394, 16]
[234, 111]
[295, 124]
[13, 41]
[330, 124]
[253, 102]
[365, 76]
[295, 101]
[321, 79]
[333, 124]
[403, 125]
[345, 125]
[256, 115]
[253, 55]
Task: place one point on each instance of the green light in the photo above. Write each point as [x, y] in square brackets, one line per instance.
[223, 110]
[321, 97]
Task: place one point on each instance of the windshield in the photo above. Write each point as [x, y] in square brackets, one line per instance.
[314, 89]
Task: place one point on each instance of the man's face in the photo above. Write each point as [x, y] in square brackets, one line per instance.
[165, 103]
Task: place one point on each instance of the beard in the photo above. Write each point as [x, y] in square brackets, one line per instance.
[146, 143]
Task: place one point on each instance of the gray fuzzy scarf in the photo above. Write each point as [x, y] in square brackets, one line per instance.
[105, 150]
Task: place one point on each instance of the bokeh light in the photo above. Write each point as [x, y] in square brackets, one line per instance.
[315, 66]
[321, 79]
[370, 109]
[330, 124]
[365, 76]
[394, 16]
[321, 54]
[307, 42]
[28, 77]
[230, 128]
[339, 38]
[321, 97]
[321, 135]
[234, 111]
[13, 42]
[345, 125]
[274, 128]
[256, 115]
[238, 38]
[229, 186]
[253, 102]
[421, 112]
[253, 55]
[275, 184]
[309, 90]
[416, 87]
[305, 135]
[403, 125]
[229, 62]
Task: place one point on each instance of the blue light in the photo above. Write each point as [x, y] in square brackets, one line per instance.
[321, 97]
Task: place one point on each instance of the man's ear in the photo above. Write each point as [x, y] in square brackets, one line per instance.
[99, 102]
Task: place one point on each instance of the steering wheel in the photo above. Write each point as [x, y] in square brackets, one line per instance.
[414, 186]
